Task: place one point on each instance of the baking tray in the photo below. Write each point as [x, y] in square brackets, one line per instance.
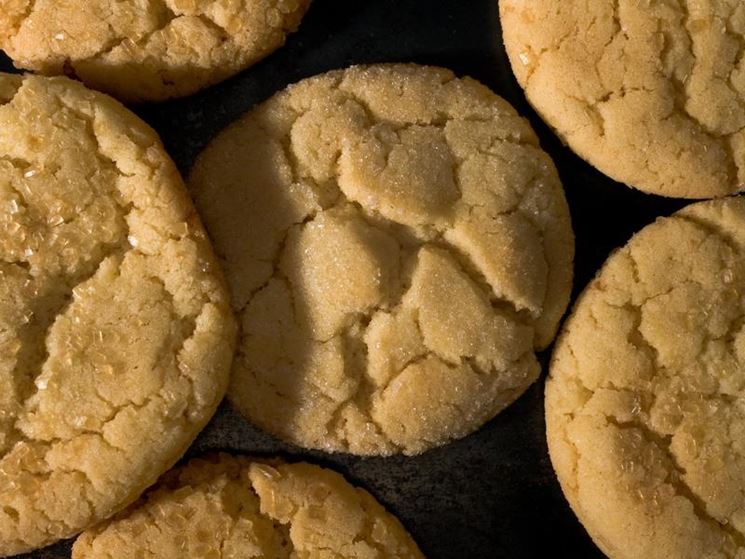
[494, 493]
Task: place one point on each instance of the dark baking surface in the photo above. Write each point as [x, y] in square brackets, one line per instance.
[494, 493]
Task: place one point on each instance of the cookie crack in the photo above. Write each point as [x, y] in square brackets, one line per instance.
[366, 387]
[499, 301]
[33, 354]
[711, 228]
[185, 332]
[55, 523]
[103, 158]
[531, 59]
[681, 97]
[16, 162]
[115, 42]
[677, 480]
[210, 23]
[265, 380]
[30, 8]
[740, 56]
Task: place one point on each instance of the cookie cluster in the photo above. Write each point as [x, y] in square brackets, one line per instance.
[385, 250]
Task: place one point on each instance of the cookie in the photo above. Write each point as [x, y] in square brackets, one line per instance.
[398, 247]
[116, 333]
[650, 93]
[644, 405]
[225, 506]
[145, 51]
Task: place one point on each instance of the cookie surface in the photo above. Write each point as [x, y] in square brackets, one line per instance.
[224, 506]
[116, 334]
[397, 246]
[644, 404]
[651, 93]
[145, 50]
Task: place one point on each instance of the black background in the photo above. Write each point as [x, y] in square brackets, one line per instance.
[494, 493]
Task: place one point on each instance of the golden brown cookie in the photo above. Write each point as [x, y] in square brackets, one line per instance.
[644, 405]
[398, 247]
[225, 506]
[651, 93]
[116, 334]
[145, 50]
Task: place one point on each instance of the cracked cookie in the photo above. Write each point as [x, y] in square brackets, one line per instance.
[145, 50]
[116, 333]
[398, 247]
[224, 506]
[645, 409]
[651, 93]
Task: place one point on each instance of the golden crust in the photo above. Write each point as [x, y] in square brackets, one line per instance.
[644, 409]
[224, 506]
[116, 334]
[150, 52]
[398, 246]
[651, 93]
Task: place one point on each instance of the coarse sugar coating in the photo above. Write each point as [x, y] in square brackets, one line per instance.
[116, 333]
[644, 404]
[650, 92]
[231, 507]
[145, 50]
[398, 246]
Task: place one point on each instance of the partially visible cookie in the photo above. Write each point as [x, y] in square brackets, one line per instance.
[645, 404]
[145, 50]
[651, 93]
[398, 247]
[224, 506]
[116, 333]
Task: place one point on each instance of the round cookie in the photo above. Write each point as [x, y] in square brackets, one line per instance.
[225, 506]
[398, 246]
[146, 50]
[116, 333]
[651, 93]
[644, 404]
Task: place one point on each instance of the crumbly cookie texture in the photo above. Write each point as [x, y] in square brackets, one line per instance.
[145, 50]
[397, 245]
[116, 332]
[651, 93]
[225, 506]
[644, 405]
